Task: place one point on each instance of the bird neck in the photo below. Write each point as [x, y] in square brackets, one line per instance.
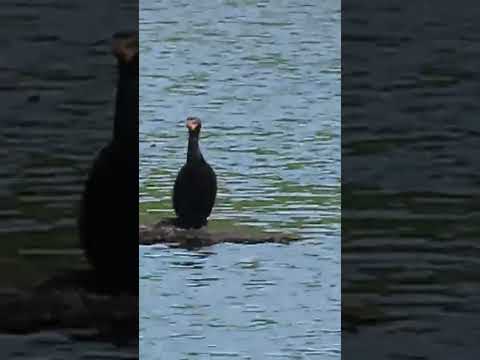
[125, 127]
[194, 155]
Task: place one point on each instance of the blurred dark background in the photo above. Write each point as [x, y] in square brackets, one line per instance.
[57, 84]
[410, 180]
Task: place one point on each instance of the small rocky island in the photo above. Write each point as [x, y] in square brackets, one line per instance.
[165, 232]
[72, 304]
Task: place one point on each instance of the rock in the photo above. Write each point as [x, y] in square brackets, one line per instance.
[64, 303]
[165, 232]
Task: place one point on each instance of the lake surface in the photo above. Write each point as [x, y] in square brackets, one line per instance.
[265, 79]
[410, 176]
[57, 86]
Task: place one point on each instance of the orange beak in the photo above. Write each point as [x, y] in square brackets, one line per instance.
[192, 124]
[125, 49]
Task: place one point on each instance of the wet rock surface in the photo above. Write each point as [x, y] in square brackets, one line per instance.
[165, 232]
[74, 304]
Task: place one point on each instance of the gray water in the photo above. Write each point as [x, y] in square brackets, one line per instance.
[57, 80]
[265, 79]
[410, 153]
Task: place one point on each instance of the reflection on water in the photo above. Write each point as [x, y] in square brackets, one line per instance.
[265, 80]
[410, 240]
[56, 83]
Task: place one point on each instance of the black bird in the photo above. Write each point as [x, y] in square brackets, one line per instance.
[196, 184]
[108, 221]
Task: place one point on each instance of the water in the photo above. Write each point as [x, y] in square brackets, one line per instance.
[57, 86]
[51, 345]
[410, 244]
[265, 79]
